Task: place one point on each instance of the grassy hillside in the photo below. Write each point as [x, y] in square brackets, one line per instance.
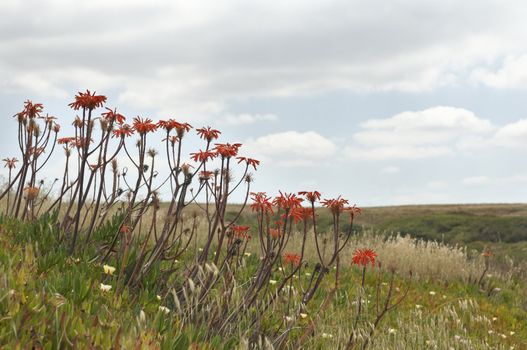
[50, 300]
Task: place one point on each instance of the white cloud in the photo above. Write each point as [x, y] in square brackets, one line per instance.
[511, 74]
[291, 148]
[512, 135]
[186, 58]
[432, 132]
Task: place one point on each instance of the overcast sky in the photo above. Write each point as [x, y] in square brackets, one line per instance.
[384, 102]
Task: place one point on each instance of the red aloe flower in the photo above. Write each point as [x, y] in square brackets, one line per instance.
[32, 110]
[353, 210]
[112, 115]
[275, 232]
[87, 100]
[261, 202]
[293, 259]
[144, 125]
[300, 214]
[312, 196]
[287, 201]
[182, 128]
[335, 205]
[208, 133]
[205, 174]
[241, 231]
[172, 124]
[226, 150]
[172, 139]
[123, 131]
[66, 140]
[364, 257]
[249, 161]
[10, 163]
[203, 156]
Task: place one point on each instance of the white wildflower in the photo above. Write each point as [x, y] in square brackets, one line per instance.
[164, 310]
[105, 287]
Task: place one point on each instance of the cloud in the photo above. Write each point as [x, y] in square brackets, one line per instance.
[292, 148]
[511, 74]
[433, 132]
[186, 58]
[512, 135]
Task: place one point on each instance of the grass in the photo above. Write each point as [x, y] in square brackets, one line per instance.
[51, 300]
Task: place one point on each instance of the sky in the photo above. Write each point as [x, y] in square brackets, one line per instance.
[383, 102]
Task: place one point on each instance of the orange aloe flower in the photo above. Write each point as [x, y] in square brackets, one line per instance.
[275, 232]
[112, 115]
[287, 201]
[226, 150]
[363, 257]
[10, 163]
[335, 205]
[203, 156]
[123, 131]
[241, 231]
[181, 128]
[261, 202]
[312, 196]
[205, 174]
[66, 140]
[293, 259]
[144, 125]
[87, 100]
[32, 110]
[208, 133]
[249, 161]
[301, 214]
[353, 210]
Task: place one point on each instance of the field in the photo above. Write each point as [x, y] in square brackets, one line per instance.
[54, 300]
